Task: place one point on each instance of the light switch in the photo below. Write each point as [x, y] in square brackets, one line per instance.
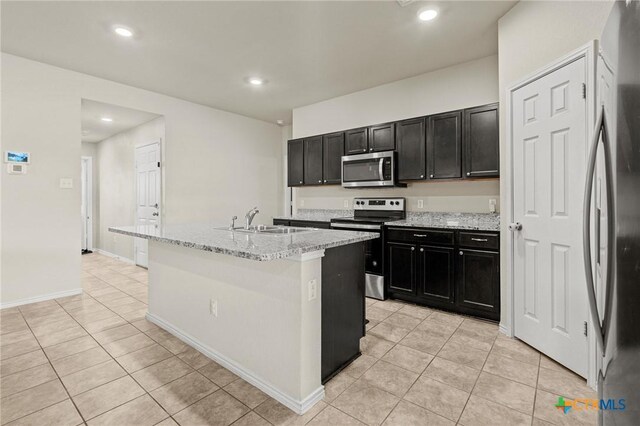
[66, 183]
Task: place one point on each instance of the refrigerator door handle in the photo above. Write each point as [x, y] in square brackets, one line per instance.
[608, 170]
[600, 129]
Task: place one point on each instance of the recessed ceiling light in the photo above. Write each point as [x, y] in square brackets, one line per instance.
[124, 32]
[427, 15]
[107, 119]
[256, 81]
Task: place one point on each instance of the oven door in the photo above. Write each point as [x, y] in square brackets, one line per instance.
[368, 170]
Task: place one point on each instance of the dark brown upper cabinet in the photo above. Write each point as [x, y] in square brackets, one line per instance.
[410, 141]
[444, 146]
[382, 137]
[481, 142]
[356, 141]
[313, 160]
[333, 150]
[295, 162]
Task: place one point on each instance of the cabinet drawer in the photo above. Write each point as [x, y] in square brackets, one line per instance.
[483, 240]
[422, 236]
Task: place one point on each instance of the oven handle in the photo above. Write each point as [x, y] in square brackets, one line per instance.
[355, 226]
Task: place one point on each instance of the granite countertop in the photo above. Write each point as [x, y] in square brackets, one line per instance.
[317, 215]
[464, 221]
[252, 246]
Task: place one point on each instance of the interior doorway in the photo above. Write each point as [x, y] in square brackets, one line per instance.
[125, 186]
[86, 207]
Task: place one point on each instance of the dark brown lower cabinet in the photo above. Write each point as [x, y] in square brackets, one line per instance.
[401, 261]
[434, 267]
[437, 274]
[343, 307]
[478, 284]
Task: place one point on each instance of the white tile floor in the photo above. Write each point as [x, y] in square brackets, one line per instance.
[94, 359]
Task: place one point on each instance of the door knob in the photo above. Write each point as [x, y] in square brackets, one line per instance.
[516, 226]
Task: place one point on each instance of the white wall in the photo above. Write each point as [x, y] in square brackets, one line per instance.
[460, 86]
[531, 35]
[217, 164]
[118, 183]
[89, 149]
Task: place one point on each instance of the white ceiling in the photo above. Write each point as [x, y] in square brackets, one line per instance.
[203, 51]
[96, 130]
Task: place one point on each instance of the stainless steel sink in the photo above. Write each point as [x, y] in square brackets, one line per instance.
[289, 230]
[269, 229]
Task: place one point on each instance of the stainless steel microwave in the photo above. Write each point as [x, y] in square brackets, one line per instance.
[374, 169]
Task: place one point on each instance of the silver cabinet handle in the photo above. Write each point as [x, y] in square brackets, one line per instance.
[300, 181]
[421, 176]
[516, 226]
[483, 240]
[155, 214]
[413, 248]
[460, 252]
[422, 250]
[468, 174]
[420, 235]
[600, 129]
[431, 176]
[320, 181]
[325, 181]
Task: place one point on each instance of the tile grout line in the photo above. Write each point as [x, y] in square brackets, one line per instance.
[133, 378]
[120, 365]
[56, 373]
[477, 378]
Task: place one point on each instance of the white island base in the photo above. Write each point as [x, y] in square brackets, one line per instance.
[258, 319]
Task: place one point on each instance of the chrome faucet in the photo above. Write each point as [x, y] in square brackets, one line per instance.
[233, 223]
[249, 217]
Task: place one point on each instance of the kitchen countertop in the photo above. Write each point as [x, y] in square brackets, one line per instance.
[252, 246]
[464, 221]
[317, 215]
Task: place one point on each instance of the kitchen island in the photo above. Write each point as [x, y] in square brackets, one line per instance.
[283, 310]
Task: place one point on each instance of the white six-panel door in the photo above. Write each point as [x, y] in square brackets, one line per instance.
[549, 166]
[148, 195]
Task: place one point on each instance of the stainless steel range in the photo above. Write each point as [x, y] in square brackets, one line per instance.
[369, 215]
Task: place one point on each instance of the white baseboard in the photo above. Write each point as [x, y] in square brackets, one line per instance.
[115, 256]
[505, 330]
[298, 406]
[42, 298]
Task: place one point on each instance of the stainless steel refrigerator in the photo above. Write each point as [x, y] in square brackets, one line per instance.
[612, 217]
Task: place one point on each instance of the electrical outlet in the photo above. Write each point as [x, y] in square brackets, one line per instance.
[492, 205]
[345, 204]
[313, 290]
[421, 204]
[213, 307]
[66, 183]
